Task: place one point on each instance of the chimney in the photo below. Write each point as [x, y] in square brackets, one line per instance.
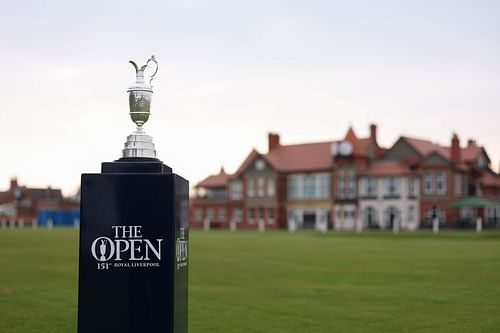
[373, 133]
[13, 183]
[455, 149]
[273, 141]
[471, 143]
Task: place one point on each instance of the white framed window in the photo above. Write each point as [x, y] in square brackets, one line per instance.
[221, 214]
[351, 184]
[363, 183]
[198, 214]
[370, 217]
[428, 188]
[341, 184]
[270, 215]
[324, 185]
[391, 215]
[392, 186]
[467, 213]
[482, 162]
[412, 187]
[411, 214]
[368, 186]
[237, 215]
[210, 213]
[465, 184]
[262, 213]
[441, 182]
[435, 212]
[309, 186]
[259, 164]
[270, 187]
[250, 187]
[293, 186]
[492, 214]
[216, 193]
[349, 213]
[260, 186]
[251, 215]
[236, 189]
[372, 186]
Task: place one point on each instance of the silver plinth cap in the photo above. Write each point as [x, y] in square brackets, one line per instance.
[139, 144]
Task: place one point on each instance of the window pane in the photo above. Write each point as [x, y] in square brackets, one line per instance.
[270, 215]
[236, 189]
[293, 186]
[428, 183]
[237, 215]
[309, 189]
[250, 187]
[441, 182]
[222, 214]
[351, 184]
[260, 186]
[324, 186]
[270, 186]
[198, 214]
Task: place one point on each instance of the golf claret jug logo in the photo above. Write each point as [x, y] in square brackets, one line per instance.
[126, 249]
[181, 249]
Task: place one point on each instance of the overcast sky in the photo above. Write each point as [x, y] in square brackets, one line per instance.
[231, 71]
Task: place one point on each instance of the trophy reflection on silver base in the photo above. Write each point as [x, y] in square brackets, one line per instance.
[139, 144]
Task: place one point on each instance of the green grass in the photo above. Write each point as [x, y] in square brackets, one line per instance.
[279, 282]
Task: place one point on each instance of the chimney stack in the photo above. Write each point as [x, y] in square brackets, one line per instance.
[373, 133]
[471, 143]
[273, 141]
[373, 150]
[13, 183]
[455, 149]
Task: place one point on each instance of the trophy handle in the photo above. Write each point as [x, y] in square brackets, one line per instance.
[152, 59]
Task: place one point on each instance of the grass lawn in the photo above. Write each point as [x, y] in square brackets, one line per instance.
[279, 282]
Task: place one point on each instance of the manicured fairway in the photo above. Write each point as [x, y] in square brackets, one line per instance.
[279, 282]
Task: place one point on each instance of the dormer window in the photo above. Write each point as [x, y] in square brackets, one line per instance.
[481, 161]
[260, 165]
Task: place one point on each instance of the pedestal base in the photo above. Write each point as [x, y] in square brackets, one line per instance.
[134, 238]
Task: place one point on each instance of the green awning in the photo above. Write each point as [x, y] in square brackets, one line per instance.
[473, 202]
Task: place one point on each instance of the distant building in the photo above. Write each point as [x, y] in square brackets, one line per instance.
[445, 173]
[21, 205]
[351, 183]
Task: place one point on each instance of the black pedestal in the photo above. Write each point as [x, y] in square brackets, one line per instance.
[134, 233]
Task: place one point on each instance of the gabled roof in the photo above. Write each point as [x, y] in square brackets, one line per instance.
[472, 152]
[387, 168]
[434, 158]
[253, 154]
[425, 147]
[306, 157]
[301, 157]
[350, 135]
[359, 146]
[219, 180]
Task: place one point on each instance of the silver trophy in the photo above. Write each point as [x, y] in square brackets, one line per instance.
[139, 144]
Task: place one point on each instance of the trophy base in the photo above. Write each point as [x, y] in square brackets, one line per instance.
[139, 145]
